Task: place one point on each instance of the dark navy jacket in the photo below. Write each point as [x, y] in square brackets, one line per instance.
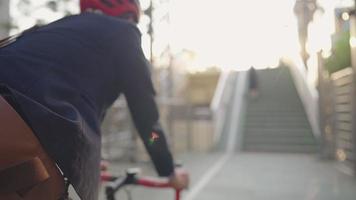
[65, 75]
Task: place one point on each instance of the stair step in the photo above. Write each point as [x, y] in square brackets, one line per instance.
[277, 133]
[275, 116]
[279, 140]
[268, 122]
[274, 112]
[276, 121]
[281, 110]
[282, 148]
[277, 126]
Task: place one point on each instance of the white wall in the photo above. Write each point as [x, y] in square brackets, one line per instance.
[4, 18]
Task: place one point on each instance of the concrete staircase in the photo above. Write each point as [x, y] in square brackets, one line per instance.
[276, 120]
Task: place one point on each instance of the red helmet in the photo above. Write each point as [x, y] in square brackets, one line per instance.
[113, 7]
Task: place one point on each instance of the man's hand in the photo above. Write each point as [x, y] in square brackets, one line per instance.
[180, 179]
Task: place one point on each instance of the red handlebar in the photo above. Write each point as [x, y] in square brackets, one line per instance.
[106, 177]
[151, 182]
[157, 183]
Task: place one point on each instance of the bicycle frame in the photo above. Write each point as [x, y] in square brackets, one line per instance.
[131, 178]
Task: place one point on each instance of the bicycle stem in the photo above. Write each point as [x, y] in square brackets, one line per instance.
[178, 194]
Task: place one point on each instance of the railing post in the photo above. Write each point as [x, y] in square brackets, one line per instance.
[353, 62]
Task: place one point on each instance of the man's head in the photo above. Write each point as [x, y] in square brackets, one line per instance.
[127, 9]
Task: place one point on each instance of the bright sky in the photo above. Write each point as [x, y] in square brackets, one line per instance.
[227, 33]
[234, 33]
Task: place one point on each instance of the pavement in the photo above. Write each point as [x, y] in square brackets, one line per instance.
[251, 176]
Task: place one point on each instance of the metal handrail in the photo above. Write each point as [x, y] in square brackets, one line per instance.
[219, 104]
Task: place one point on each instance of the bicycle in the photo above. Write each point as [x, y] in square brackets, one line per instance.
[115, 183]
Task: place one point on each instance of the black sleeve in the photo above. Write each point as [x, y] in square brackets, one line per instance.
[140, 95]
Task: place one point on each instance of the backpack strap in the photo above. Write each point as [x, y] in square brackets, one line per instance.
[22, 176]
[6, 41]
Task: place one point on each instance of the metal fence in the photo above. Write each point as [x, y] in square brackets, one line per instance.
[188, 128]
[118, 139]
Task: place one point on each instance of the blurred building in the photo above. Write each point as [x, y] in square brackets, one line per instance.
[4, 18]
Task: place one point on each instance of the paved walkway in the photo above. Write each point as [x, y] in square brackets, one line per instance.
[256, 176]
[250, 176]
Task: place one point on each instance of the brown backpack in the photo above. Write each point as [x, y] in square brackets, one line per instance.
[26, 170]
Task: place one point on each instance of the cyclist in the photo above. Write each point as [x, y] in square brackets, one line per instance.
[62, 77]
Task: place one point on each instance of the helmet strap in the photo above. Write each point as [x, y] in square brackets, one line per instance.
[91, 10]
